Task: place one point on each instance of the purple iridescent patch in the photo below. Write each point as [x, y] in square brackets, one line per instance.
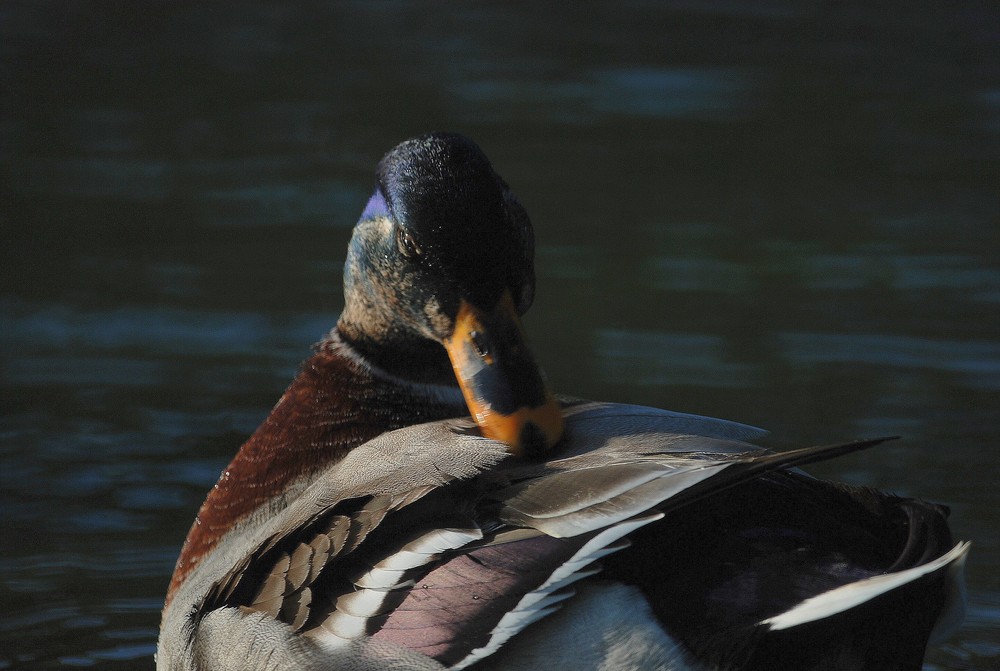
[376, 206]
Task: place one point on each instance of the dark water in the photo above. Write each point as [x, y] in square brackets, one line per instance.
[786, 214]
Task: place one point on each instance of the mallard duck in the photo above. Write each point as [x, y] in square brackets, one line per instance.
[419, 499]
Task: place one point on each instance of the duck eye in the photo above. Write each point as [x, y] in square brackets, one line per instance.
[407, 245]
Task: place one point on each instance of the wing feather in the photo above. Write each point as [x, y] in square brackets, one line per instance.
[434, 539]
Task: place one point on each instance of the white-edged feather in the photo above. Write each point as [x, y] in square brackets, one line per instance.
[531, 608]
[846, 597]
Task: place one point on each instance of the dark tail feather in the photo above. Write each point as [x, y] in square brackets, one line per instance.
[747, 468]
[812, 455]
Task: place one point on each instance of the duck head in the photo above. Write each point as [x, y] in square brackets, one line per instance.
[439, 271]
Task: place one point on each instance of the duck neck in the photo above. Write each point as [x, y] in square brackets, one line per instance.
[339, 399]
[398, 353]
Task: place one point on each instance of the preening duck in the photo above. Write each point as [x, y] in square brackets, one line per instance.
[419, 499]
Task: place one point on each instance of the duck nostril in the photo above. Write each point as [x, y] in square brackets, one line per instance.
[482, 346]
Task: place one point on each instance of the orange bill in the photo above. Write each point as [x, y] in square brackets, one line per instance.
[503, 386]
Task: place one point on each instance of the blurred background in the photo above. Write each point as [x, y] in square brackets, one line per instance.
[782, 213]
